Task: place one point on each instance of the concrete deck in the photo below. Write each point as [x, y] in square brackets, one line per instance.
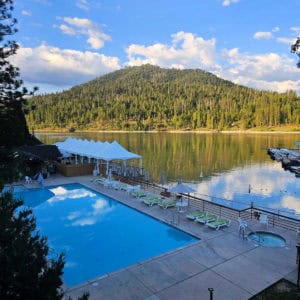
[235, 268]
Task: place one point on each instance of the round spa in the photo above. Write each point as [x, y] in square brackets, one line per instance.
[267, 239]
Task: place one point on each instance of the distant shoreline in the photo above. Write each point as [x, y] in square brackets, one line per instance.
[175, 131]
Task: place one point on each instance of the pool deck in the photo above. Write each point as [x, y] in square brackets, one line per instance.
[234, 267]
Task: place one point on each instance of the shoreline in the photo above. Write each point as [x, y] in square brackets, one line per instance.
[174, 131]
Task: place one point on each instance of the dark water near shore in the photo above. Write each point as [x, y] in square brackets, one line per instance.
[221, 166]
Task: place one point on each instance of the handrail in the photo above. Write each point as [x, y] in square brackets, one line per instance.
[277, 219]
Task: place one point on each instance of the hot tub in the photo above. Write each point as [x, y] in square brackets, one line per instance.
[267, 239]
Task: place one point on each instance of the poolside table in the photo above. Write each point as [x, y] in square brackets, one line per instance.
[182, 206]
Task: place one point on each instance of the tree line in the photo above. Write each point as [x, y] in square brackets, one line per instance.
[151, 98]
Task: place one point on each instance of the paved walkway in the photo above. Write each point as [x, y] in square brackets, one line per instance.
[233, 267]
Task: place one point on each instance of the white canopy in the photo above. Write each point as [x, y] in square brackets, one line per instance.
[98, 150]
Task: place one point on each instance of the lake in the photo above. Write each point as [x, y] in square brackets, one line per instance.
[230, 167]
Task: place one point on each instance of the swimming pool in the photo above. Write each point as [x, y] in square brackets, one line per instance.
[98, 234]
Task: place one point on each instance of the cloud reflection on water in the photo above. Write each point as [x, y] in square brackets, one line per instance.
[91, 216]
[89, 213]
[292, 203]
[270, 187]
[61, 194]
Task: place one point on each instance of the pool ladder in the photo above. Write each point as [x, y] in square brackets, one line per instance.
[243, 229]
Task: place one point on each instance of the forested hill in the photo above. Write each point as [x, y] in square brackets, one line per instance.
[150, 98]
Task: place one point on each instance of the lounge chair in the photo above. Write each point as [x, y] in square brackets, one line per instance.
[167, 203]
[139, 194]
[195, 214]
[99, 179]
[28, 179]
[116, 185]
[219, 223]
[150, 201]
[206, 219]
[122, 186]
[263, 219]
[108, 183]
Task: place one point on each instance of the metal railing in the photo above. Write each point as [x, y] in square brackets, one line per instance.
[197, 202]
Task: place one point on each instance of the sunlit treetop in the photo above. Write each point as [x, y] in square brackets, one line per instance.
[295, 48]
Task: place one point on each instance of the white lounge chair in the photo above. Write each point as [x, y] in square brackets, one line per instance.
[263, 219]
[28, 179]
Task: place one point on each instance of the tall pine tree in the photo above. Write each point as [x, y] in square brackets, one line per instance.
[13, 127]
[26, 272]
[295, 48]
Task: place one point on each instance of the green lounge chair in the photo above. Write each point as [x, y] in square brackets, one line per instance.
[139, 194]
[195, 214]
[219, 223]
[150, 201]
[98, 179]
[167, 203]
[206, 219]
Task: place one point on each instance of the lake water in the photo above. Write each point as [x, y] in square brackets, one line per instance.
[217, 165]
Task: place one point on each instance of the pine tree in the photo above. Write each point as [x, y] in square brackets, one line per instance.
[26, 272]
[295, 48]
[13, 127]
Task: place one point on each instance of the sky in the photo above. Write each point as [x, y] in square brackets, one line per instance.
[68, 42]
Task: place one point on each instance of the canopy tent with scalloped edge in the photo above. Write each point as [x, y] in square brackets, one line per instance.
[98, 150]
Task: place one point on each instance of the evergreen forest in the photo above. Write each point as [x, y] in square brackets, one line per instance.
[152, 98]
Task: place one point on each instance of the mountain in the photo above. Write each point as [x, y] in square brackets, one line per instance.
[152, 98]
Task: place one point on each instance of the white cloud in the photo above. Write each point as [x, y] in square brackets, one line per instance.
[262, 71]
[83, 4]
[46, 2]
[229, 2]
[186, 51]
[67, 29]
[78, 22]
[295, 29]
[78, 26]
[269, 71]
[275, 29]
[263, 35]
[65, 67]
[285, 40]
[61, 67]
[26, 13]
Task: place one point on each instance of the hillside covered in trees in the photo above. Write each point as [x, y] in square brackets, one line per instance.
[152, 98]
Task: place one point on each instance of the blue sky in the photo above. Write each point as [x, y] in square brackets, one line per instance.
[68, 42]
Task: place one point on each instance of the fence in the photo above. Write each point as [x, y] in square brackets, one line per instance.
[248, 213]
[74, 170]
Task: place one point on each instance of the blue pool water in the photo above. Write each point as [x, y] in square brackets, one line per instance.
[99, 235]
[267, 239]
